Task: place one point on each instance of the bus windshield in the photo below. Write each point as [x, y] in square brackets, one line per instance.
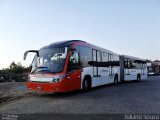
[50, 60]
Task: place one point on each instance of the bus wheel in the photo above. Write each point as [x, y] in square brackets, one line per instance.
[86, 85]
[116, 79]
[138, 78]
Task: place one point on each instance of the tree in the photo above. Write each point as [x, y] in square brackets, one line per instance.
[15, 72]
[17, 68]
[12, 65]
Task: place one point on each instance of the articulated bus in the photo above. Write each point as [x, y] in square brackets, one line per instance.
[73, 65]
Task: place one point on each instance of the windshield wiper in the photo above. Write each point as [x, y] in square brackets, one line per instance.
[40, 69]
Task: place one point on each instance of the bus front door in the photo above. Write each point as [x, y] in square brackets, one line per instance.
[74, 72]
[74, 80]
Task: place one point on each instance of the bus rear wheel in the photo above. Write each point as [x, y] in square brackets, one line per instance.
[138, 78]
[116, 79]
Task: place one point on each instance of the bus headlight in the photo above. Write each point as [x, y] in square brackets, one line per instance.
[58, 78]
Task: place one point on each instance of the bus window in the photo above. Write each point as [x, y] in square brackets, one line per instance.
[105, 57]
[99, 56]
[74, 58]
[94, 55]
[129, 63]
[138, 65]
[74, 61]
[110, 57]
[85, 55]
[132, 64]
[126, 63]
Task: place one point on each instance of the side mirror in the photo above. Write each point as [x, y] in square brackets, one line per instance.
[25, 54]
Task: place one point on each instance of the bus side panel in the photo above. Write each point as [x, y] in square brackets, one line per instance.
[87, 71]
[144, 76]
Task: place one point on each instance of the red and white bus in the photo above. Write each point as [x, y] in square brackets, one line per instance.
[72, 65]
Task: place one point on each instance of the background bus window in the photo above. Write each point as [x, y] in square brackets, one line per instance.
[132, 64]
[127, 66]
[127, 63]
[104, 57]
[138, 65]
[110, 57]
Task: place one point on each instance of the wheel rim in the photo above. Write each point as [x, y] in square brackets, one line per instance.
[86, 85]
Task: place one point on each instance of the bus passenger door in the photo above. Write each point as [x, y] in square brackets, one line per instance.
[127, 69]
[96, 57]
[74, 72]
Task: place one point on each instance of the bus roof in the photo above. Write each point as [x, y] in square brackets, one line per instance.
[134, 58]
[69, 43]
[65, 43]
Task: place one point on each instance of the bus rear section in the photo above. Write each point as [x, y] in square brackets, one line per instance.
[132, 68]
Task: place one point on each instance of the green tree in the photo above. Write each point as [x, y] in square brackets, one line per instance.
[15, 72]
[12, 65]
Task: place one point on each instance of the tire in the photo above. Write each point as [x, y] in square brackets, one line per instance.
[116, 79]
[138, 78]
[86, 85]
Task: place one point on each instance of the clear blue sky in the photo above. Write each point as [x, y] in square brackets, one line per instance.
[124, 26]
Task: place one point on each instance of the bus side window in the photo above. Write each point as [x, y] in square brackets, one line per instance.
[74, 60]
[110, 57]
[104, 57]
[133, 64]
[127, 63]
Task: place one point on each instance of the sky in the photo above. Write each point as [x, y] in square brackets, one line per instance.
[129, 27]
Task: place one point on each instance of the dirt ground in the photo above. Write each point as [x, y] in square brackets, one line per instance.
[130, 97]
[13, 90]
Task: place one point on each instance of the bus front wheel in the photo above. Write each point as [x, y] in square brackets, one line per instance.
[86, 85]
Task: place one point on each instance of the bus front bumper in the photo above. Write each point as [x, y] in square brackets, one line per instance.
[45, 87]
